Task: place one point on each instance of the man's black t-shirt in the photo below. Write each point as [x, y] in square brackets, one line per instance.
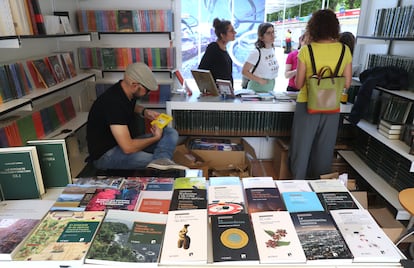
[111, 108]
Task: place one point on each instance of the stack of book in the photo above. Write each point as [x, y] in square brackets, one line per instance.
[390, 130]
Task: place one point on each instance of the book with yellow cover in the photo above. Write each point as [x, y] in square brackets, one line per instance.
[162, 120]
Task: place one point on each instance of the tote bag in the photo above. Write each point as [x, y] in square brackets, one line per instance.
[325, 87]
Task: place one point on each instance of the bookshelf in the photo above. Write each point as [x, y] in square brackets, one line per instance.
[386, 165]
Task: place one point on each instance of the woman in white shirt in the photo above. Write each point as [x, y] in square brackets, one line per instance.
[263, 77]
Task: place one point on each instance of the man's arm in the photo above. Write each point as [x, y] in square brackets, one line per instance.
[127, 144]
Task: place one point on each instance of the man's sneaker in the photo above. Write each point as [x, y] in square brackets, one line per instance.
[165, 164]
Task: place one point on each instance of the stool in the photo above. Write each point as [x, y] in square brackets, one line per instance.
[406, 198]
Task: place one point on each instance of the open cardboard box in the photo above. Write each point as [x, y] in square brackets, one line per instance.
[228, 163]
[184, 157]
[385, 219]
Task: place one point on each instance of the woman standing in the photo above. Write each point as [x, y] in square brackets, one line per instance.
[216, 59]
[313, 136]
[291, 64]
[263, 77]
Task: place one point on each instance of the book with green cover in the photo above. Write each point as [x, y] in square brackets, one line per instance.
[54, 161]
[20, 174]
[26, 127]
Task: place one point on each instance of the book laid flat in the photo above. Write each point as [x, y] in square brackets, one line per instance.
[189, 193]
[154, 202]
[100, 181]
[74, 198]
[62, 237]
[54, 162]
[293, 186]
[276, 238]
[233, 239]
[262, 195]
[320, 238]
[225, 199]
[128, 237]
[302, 201]
[20, 173]
[329, 185]
[337, 200]
[225, 180]
[366, 240]
[184, 242]
[17, 220]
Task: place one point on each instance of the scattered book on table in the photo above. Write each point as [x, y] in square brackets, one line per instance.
[262, 195]
[366, 240]
[276, 238]
[189, 193]
[18, 218]
[337, 200]
[293, 186]
[128, 238]
[320, 238]
[100, 181]
[328, 185]
[66, 243]
[225, 199]
[233, 239]
[302, 201]
[185, 239]
[154, 202]
[20, 173]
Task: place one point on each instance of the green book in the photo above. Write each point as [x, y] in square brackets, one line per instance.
[26, 127]
[54, 162]
[20, 173]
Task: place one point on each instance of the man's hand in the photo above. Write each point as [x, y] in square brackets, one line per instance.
[156, 131]
[151, 114]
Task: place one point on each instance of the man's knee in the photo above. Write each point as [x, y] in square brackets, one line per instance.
[170, 132]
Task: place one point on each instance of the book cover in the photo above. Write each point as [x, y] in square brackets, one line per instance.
[233, 239]
[302, 201]
[57, 69]
[320, 238]
[184, 243]
[276, 238]
[293, 186]
[74, 198]
[337, 200]
[62, 237]
[225, 199]
[329, 185]
[125, 23]
[224, 180]
[26, 127]
[366, 240]
[162, 120]
[189, 193]
[157, 202]
[44, 73]
[54, 161]
[68, 64]
[262, 195]
[128, 237]
[20, 173]
[17, 220]
[100, 181]
[124, 198]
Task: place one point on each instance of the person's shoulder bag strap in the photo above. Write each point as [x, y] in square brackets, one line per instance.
[338, 65]
[258, 60]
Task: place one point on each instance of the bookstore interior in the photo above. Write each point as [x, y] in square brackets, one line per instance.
[237, 204]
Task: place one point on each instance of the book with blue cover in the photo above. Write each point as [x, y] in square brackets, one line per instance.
[302, 201]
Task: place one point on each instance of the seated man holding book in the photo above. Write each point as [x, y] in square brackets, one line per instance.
[113, 141]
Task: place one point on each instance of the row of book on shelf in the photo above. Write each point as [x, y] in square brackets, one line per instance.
[18, 79]
[178, 221]
[18, 128]
[396, 22]
[125, 20]
[111, 58]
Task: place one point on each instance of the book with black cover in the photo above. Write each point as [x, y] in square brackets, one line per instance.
[233, 239]
[320, 238]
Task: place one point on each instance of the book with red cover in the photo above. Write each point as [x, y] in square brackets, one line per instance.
[38, 124]
[59, 112]
[39, 20]
[37, 79]
[44, 72]
[32, 16]
[69, 108]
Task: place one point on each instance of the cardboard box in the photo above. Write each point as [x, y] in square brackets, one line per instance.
[184, 157]
[228, 163]
[280, 159]
[392, 227]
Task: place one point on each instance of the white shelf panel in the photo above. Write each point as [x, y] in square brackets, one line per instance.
[398, 146]
[379, 184]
